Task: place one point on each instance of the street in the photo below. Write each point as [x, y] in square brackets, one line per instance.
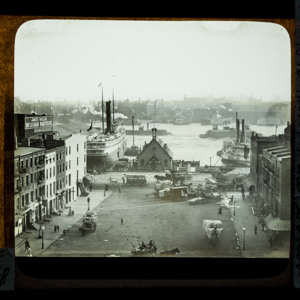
[170, 224]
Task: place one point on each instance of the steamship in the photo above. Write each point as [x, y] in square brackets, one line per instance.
[228, 131]
[104, 148]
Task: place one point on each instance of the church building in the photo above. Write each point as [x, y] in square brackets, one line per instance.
[155, 155]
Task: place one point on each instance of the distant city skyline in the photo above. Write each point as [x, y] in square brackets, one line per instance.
[66, 60]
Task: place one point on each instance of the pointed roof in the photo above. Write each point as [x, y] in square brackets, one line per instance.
[161, 144]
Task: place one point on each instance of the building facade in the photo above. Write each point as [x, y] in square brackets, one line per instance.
[50, 180]
[155, 155]
[29, 187]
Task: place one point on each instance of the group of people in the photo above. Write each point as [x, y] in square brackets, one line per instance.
[56, 228]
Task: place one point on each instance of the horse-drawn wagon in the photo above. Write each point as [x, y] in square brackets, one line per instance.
[213, 230]
[144, 250]
[88, 222]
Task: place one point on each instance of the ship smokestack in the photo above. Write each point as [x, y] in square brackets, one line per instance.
[237, 130]
[108, 117]
[154, 133]
[243, 131]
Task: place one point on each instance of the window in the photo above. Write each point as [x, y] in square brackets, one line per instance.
[77, 161]
[22, 164]
[66, 180]
[60, 168]
[31, 196]
[35, 159]
[50, 189]
[46, 174]
[53, 171]
[60, 184]
[84, 170]
[27, 198]
[60, 155]
[77, 147]
[26, 163]
[57, 156]
[23, 201]
[57, 186]
[31, 162]
[22, 181]
[84, 157]
[69, 164]
[84, 145]
[50, 173]
[31, 178]
[69, 149]
[36, 194]
[69, 179]
[47, 191]
[63, 167]
[66, 151]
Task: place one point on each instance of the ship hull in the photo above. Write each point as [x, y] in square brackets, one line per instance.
[146, 132]
[235, 162]
[218, 134]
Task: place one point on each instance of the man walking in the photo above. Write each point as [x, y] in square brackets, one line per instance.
[27, 244]
[255, 229]
[122, 221]
[55, 227]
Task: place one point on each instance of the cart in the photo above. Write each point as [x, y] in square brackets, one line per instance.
[213, 230]
[88, 222]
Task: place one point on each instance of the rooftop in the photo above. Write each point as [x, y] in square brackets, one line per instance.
[21, 151]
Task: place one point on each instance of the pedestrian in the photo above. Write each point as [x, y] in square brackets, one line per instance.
[64, 232]
[27, 244]
[255, 229]
[243, 195]
[28, 251]
[122, 221]
[55, 228]
[220, 210]
[123, 178]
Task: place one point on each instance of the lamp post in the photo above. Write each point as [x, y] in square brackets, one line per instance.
[244, 230]
[43, 228]
[234, 207]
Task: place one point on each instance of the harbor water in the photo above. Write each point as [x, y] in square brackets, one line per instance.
[186, 144]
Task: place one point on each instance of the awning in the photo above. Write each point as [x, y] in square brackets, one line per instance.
[276, 224]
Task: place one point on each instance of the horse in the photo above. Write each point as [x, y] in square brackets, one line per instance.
[158, 177]
[113, 180]
[169, 252]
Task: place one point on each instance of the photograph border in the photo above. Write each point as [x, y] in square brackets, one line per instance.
[9, 26]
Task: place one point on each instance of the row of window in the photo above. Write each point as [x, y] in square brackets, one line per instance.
[25, 164]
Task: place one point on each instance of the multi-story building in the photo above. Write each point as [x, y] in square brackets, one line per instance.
[60, 191]
[274, 189]
[50, 179]
[29, 188]
[75, 163]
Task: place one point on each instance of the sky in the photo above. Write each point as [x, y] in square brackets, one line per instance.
[66, 60]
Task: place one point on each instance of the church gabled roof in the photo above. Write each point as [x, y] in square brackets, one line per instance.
[161, 144]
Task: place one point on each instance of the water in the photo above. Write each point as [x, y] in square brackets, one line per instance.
[186, 144]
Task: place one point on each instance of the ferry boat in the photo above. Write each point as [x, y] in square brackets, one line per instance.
[226, 131]
[181, 121]
[103, 148]
[237, 154]
[141, 131]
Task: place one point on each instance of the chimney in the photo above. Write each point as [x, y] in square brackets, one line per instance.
[108, 117]
[16, 139]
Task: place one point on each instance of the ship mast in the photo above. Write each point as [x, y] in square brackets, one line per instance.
[133, 130]
[113, 108]
[102, 112]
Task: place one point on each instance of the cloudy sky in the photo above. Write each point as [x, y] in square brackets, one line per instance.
[59, 60]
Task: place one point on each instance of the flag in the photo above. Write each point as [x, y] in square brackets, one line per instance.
[99, 84]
